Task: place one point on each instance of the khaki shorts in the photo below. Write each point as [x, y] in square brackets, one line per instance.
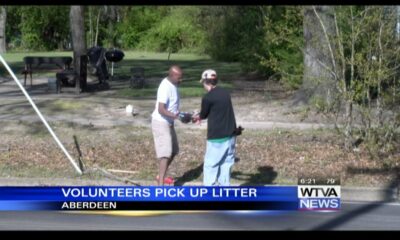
[165, 139]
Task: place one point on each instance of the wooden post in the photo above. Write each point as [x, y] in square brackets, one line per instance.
[83, 72]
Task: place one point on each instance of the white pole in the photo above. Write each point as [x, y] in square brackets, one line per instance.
[40, 116]
[398, 23]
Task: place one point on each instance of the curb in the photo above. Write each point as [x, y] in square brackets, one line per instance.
[365, 194]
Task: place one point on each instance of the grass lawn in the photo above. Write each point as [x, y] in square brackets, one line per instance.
[186, 89]
[156, 66]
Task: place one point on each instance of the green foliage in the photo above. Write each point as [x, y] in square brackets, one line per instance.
[283, 43]
[136, 20]
[226, 33]
[43, 27]
[266, 39]
[13, 32]
[177, 32]
[234, 33]
[221, 39]
[32, 41]
[366, 52]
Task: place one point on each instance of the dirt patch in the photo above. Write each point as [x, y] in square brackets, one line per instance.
[269, 101]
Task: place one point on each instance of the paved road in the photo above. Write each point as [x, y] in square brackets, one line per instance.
[353, 216]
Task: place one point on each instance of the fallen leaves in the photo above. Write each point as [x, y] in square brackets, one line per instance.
[288, 153]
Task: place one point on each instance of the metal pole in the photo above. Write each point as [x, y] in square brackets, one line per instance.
[41, 116]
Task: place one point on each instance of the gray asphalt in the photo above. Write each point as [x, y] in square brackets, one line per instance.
[352, 216]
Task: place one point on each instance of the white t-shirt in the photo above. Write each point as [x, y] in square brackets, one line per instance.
[167, 93]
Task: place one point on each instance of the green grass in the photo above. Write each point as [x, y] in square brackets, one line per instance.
[164, 56]
[15, 57]
[15, 60]
[154, 63]
[186, 89]
[192, 69]
[156, 66]
[61, 105]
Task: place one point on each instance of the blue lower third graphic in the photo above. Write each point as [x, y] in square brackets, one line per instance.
[271, 198]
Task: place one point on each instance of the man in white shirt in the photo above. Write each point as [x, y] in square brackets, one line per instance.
[162, 122]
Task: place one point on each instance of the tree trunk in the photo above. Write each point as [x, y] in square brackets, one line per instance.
[3, 17]
[77, 25]
[110, 30]
[97, 27]
[111, 12]
[319, 65]
[348, 143]
[90, 27]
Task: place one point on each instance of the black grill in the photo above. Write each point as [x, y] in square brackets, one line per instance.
[114, 55]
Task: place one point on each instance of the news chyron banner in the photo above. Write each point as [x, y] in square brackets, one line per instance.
[71, 198]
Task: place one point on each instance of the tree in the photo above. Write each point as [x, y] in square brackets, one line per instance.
[281, 55]
[319, 62]
[219, 24]
[77, 26]
[3, 17]
[364, 59]
[176, 32]
[135, 22]
[43, 27]
[111, 16]
[267, 40]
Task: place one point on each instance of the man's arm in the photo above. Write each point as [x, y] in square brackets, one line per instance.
[163, 111]
[205, 108]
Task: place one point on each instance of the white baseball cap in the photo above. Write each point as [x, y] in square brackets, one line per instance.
[208, 74]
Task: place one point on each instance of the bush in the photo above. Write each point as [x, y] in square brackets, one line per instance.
[174, 33]
[282, 44]
[32, 41]
[44, 27]
[136, 22]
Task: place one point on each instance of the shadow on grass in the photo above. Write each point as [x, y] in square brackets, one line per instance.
[387, 197]
[264, 175]
[190, 175]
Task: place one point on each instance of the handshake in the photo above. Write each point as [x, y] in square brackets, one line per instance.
[186, 117]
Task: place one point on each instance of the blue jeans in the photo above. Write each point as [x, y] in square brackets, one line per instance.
[218, 161]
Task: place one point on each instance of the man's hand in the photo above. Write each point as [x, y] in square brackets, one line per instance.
[196, 118]
[163, 111]
[185, 117]
[238, 131]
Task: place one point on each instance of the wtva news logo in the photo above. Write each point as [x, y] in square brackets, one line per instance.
[319, 197]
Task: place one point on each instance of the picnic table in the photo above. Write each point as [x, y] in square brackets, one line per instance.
[33, 62]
